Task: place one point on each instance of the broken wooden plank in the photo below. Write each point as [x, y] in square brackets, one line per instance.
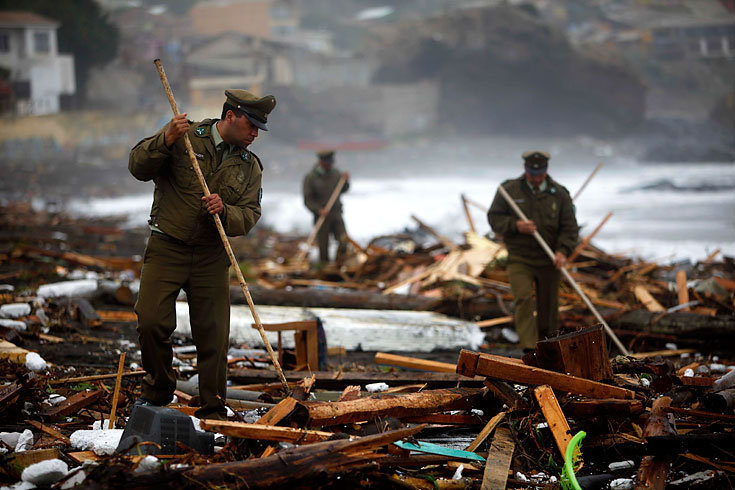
[414, 363]
[75, 403]
[662, 353]
[320, 414]
[49, 430]
[492, 322]
[10, 351]
[498, 460]
[96, 377]
[554, 417]
[116, 392]
[486, 431]
[642, 294]
[507, 394]
[265, 432]
[653, 470]
[682, 289]
[502, 368]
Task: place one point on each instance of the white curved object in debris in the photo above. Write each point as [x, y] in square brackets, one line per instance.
[370, 330]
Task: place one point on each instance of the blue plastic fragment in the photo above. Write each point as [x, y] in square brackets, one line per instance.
[427, 447]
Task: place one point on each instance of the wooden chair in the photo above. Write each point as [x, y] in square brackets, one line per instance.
[306, 341]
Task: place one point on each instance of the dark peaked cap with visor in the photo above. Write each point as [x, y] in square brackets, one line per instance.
[256, 109]
[536, 162]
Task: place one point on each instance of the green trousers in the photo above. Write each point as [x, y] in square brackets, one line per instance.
[335, 226]
[202, 272]
[523, 278]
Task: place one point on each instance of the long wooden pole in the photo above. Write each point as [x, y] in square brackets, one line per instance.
[565, 272]
[332, 199]
[599, 165]
[221, 230]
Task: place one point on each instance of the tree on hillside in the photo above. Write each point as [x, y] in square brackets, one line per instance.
[85, 31]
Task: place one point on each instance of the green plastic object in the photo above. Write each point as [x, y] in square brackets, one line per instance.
[568, 479]
[427, 447]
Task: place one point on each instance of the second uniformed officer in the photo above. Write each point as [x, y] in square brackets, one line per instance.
[549, 210]
[319, 184]
[185, 250]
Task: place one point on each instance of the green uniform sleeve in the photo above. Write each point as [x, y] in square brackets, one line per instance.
[310, 197]
[149, 156]
[501, 218]
[345, 187]
[238, 219]
[568, 227]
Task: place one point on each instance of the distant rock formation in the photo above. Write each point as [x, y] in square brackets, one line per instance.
[503, 70]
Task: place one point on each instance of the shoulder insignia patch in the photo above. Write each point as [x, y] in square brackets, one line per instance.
[245, 156]
[553, 190]
[199, 131]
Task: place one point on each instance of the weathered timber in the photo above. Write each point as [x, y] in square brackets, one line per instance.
[74, 403]
[642, 295]
[583, 354]
[302, 463]
[444, 419]
[333, 299]
[486, 431]
[498, 460]
[320, 414]
[352, 392]
[685, 325]
[414, 363]
[10, 393]
[87, 314]
[554, 416]
[335, 380]
[607, 408]
[49, 430]
[96, 377]
[286, 406]
[653, 470]
[503, 368]
[265, 432]
[702, 415]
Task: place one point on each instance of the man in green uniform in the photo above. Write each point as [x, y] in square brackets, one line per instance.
[185, 250]
[550, 211]
[319, 184]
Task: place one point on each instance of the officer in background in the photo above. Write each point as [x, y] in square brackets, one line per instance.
[550, 211]
[185, 250]
[319, 184]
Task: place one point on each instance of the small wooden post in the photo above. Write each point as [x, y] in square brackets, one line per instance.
[120, 366]
[467, 213]
[681, 286]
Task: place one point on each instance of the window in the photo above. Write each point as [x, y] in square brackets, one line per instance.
[4, 42]
[41, 42]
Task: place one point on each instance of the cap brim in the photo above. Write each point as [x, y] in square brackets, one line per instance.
[255, 122]
[536, 171]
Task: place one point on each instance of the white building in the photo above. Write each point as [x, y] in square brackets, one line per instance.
[38, 73]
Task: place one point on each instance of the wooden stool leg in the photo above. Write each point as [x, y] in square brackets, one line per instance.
[301, 349]
[312, 348]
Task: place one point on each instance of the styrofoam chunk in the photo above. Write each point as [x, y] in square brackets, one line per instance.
[45, 472]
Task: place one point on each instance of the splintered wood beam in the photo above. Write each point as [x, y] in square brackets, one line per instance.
[642, 295]
[282, 410]
[554, 417]
[74, 403]
[265, 432]
[682, 289]
[414, 363]
[49, 430]
[320, 414]
[497, 367]
[507, 394]
[498, 460]
[486, 431]
[653, 470]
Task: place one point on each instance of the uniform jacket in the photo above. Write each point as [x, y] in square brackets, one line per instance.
[552, 211]
[177, 208]
[318, 187]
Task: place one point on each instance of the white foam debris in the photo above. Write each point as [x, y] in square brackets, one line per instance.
[97, 424]
[14, 324]
[622, 484]
[76, 479]
[376, 387]
[67, 288]
[45, 472]
[458, 474]
[510, 335]
[15, 310]
[36, 363]
[372, 330]
[477, 412]
[21, 485]
[689, 373]
[520, 476]
[102, 442]
[149, 463]
[25, 441]
[645, 382]
[10, 438]
[717, 368]
[621, 465]
[55, 399]
[671, 346]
